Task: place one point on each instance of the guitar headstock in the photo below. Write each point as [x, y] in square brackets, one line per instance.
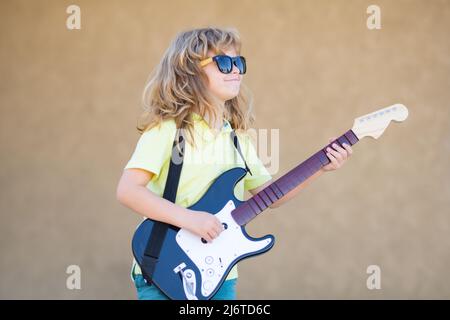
[374, 124]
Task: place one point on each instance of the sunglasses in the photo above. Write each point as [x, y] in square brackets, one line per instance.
[225, 63]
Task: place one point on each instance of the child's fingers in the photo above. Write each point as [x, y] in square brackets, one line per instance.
[213, 234]
[333, 160]
[339, 148]
[335, 153]
[348, 148]
[208, 237]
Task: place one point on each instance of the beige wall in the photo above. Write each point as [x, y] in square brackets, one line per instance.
[69, 103]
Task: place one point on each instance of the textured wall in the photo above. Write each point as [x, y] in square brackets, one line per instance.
[69, 103]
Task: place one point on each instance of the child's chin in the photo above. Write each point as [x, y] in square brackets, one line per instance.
[232, 95]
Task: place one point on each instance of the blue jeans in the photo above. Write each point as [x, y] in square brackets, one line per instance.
[146, 292]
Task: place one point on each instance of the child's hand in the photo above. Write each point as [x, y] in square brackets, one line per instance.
[338, 156]
[203, 224]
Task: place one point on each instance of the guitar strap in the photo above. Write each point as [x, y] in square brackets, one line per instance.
[235, 139]
[159, 230]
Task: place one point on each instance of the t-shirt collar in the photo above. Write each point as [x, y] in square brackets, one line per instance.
[226, 124]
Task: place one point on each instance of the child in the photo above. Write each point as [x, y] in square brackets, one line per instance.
[196, 87]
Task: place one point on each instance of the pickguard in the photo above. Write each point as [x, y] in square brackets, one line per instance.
[213, 259]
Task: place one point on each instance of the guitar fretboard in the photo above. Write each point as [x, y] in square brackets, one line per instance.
[276, 190]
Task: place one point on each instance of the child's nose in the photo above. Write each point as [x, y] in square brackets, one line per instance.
[235, 69]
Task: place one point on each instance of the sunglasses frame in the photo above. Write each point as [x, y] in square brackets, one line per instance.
[233, 62]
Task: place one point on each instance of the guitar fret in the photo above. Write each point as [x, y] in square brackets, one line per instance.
[259, 202]
[277, 190]
[254, 206]
[253, 199]
[342, 140]
[265, 198]
[272, 196]
[351, 137]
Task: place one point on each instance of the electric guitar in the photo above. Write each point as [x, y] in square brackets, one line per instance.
[190, 268]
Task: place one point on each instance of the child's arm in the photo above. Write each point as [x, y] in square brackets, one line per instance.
[133, 193]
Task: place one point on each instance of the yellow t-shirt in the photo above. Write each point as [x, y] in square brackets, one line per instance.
[201, 165]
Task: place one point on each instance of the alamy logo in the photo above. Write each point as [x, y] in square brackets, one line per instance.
[74, 280]
[374, 280]
[74, 20]
[374, 20]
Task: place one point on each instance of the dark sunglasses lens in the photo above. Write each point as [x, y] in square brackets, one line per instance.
[239, 62]
[224, 64]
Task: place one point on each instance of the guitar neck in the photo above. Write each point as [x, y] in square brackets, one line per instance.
[263, 199]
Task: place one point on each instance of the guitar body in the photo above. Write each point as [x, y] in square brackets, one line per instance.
[189, 268]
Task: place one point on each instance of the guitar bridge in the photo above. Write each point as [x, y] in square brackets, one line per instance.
[188, 278]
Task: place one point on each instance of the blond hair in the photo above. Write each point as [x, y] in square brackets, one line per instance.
[179, 86]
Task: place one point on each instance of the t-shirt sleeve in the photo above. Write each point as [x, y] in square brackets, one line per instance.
[153, 148]
[260, 174]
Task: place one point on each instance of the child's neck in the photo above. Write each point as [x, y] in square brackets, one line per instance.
[217, 126]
